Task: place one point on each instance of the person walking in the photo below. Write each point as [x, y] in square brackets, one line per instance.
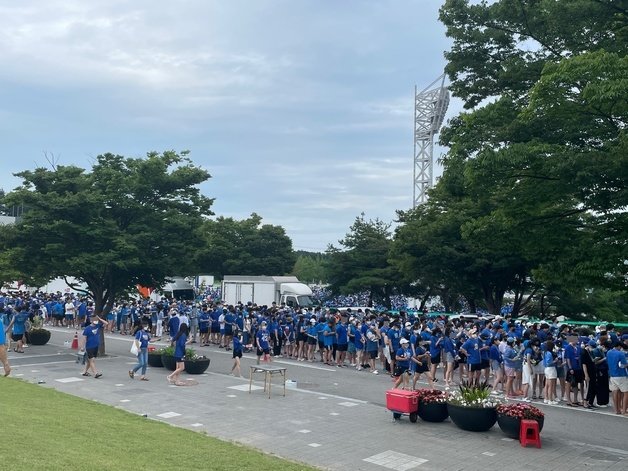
[142, 337]
[3, 348]
[179, 341]
[237, 353]
[91, 335]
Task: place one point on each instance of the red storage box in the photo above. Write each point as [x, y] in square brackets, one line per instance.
[399, 400]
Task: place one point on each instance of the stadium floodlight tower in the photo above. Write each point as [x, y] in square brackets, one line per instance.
[430, 106]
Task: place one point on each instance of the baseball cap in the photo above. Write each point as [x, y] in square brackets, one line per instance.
[312, 321]
[402, 341]
[408, 324]
[510, 340]
[592, 343]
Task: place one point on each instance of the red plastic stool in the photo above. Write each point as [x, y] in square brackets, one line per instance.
[529, 433]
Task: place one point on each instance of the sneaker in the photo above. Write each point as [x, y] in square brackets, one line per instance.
[526, 399]
[98, 375]
[553, 403]
[359, 368]
[131, 374]
[494, 393]
[545, 401]
[375, 372]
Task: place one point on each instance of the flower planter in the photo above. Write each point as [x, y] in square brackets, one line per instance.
[472, 419]
[510, 425]
[154, 360]
[433, 411]
[38, 337]
[168, 362]
[196, 367]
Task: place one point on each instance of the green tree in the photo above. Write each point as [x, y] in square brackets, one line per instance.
[361, 264]
[544, 142]
[310, 267]
[245, 247]
[126, 222]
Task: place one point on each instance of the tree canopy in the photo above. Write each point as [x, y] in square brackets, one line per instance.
[127, 221]
[245, 247]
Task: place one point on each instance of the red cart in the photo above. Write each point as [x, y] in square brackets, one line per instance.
[401, 402]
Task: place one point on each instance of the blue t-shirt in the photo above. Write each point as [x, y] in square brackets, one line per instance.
[19, 323]
[341, 333]
[179, 348]
[143, 336]
[237, 345]
[573, 355]
[203, 321]
[328, 336]
[406, 353]
[549, 360]
[614, 357]
[435, 346]
[472, 347]
[92, 335]
[494, 354]
[263, 338]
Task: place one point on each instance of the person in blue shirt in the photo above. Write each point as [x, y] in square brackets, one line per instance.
[237, 353]
[18, 322]
[550, 360]
[329, 333]
[179, 352]
[448, 356]
[496, 361]
[142, 337]
[91, 339]
[215, 325]
[575, 374]
[471, 348]
[312, 339]
[204, 321]
[618, 377]
[3, 348]
[403, 357]
[262, 341]
[342, 342]
[173, 324]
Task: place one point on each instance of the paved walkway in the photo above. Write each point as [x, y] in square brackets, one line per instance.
[324, 430]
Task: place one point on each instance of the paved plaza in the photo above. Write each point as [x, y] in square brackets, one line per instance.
[332, 419]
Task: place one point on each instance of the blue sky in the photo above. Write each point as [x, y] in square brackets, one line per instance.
[300, 109]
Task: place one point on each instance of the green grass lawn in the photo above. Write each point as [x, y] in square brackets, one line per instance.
[43, 429]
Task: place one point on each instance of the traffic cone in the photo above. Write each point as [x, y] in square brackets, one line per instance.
[75, 341]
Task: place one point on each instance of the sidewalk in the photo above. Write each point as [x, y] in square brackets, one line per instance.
[332, 432]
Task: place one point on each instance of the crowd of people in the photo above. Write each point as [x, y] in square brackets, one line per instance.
[537, 361]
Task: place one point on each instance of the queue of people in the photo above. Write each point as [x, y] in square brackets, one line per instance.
[531, 362]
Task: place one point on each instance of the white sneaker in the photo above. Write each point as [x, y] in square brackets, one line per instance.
[553, 403]
[375, 372]
[526, 399]
[360, 368]
[545, 401]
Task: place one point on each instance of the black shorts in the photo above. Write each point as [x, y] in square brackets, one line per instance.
[576, 377]
[435, 360]
[421, 368]
[92, 352]
[266, 351]
[485, 364]
[311, 341]
[229, 331]
[204, 331]
[16, 337]
[372, 354]
[342, 348]
[215, 330]
[476, 366]
[301, 338]
[321, 344]
[237, 354]
[399, 370]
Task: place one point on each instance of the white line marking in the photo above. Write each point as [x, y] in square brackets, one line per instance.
[314, 445]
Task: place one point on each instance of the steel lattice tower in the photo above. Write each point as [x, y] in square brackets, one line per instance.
[430, 106]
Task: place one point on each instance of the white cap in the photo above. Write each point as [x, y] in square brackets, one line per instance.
[402, 341]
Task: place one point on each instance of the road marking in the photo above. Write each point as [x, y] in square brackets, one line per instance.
[334, 413]
[347, 404]
[304, 431]
[168, 415]
[488, 453]
[314, 445]
[245, 387]
[231, 395]
[196, 425]
[69, 380]
[394, 460]
[125, 400]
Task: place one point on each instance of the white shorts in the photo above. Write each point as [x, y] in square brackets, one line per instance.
[618, 383]
[526, 377]
[539, 369]
[551, 373]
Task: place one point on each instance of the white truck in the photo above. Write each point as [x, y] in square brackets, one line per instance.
[264, 290]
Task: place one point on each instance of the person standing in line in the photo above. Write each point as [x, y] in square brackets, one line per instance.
[91, 335]
[179, 352]
[142, 337]
[551, 374]
[262, 341]
[237, 353]
[3, 348]
[70, 313]
[618, 377]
